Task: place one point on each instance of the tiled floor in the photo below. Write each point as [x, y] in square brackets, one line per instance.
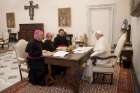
[9, 72]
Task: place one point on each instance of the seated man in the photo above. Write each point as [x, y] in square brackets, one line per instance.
[60, 40]
[37, 67]
[101, 49]
[49, 46]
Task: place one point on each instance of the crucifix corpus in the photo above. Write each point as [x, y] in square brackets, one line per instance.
[31, 8]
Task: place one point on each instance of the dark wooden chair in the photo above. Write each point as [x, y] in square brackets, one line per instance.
[4, 40]
[69, 38]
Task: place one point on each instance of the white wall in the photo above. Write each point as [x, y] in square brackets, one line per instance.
[48, 13]
[136, 45]
[122, 12]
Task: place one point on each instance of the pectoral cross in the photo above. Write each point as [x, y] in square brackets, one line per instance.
[31, 8]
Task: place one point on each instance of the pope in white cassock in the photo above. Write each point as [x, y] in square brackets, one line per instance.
[101, 49]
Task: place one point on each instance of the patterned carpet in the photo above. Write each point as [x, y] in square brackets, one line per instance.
[25, 87]
[122, 84]
[125, 83]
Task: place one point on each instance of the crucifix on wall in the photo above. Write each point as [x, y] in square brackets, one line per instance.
[31, 8]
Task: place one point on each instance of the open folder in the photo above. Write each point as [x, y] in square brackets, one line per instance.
[60, 53]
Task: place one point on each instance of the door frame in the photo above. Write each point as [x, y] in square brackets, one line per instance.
[111, 7]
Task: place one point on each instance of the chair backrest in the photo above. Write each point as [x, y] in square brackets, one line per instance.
[69, 38]
[20, 48]
[120, 45]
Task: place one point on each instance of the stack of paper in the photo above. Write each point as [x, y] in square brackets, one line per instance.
[47, 53]
[82, 49]
[60, 53]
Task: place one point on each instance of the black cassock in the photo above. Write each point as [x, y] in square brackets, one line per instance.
[49, 46]
[60, 41]
[37, 67]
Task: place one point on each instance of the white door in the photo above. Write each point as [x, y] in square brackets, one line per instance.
[100, 18]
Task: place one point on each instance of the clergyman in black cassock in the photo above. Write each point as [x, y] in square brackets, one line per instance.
[37, 67]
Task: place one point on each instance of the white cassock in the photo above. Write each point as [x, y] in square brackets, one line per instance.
[101, 49]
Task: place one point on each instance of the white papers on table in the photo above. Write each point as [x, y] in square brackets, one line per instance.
[47, 53]
[60, 53]
[82, 49]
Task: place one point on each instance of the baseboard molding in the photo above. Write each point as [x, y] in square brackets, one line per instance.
[135, 81]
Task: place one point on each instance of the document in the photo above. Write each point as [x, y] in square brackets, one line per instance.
[60, 53]
[47, 53]
[82, 49]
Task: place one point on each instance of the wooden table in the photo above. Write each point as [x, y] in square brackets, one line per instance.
[73, 64]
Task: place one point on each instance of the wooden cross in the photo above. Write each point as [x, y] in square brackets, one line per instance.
[31, 8]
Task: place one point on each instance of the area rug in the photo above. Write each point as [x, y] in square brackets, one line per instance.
[125, 83]
[122, 82]
[85, 87]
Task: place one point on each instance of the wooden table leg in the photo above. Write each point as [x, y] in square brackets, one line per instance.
[49, 77]
[73, 78]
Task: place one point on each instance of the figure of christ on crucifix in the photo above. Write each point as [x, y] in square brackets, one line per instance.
[31, 8]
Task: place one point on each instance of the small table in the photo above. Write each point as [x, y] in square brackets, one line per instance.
[4, 42]
[126, 56]
[12, 37]
[73, 64]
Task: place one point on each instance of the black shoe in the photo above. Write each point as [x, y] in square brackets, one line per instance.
[41, 83]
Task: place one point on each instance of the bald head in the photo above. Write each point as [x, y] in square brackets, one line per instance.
[99, 34]
[38, 35]
[49, 36]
